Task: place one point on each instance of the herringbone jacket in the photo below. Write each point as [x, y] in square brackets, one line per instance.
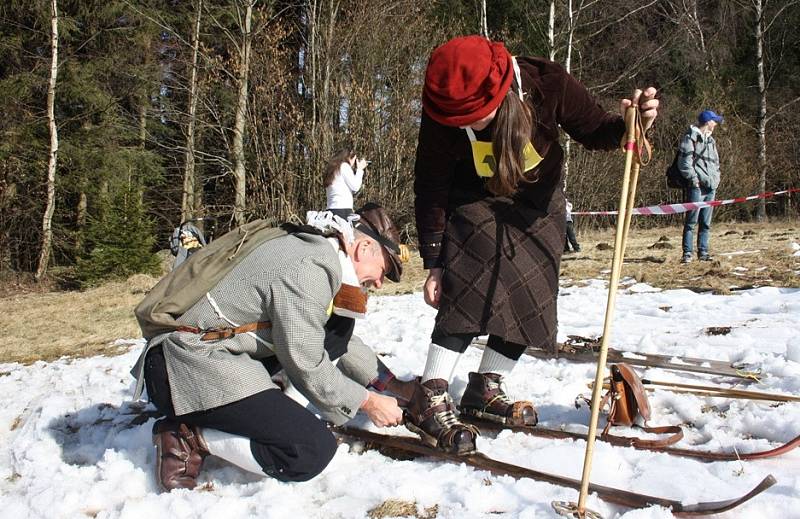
[290, 282]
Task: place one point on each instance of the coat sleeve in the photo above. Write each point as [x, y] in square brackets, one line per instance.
[360, 363]
[433, 176]
[300, 300]
[686, 158]
[584, 119]
[351, 179]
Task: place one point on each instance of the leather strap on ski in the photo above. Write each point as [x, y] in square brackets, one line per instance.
[612, 495]
[674, 431]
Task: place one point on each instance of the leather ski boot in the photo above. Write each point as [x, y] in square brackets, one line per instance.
[430, 414]
[485, 399]
[180, 450]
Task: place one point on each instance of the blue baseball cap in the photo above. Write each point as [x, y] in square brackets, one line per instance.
[708, 115]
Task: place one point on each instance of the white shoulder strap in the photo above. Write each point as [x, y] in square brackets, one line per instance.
[222, 316]
[471, 134]
[517, 76]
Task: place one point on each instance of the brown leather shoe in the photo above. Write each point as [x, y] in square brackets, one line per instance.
[485, 399]
[180, 450]
[430, 414]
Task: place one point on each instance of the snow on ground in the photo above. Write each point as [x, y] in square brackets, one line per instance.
[75, 447]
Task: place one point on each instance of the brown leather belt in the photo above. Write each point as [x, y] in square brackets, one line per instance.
[216, 334]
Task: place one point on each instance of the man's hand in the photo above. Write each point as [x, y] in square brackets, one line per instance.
[382, 410]
[432, 290]
[647, 102]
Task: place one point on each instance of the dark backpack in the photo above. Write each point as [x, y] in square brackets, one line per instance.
[675, 179]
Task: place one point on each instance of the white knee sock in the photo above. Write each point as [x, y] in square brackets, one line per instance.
[440, 364]
[232, 448]
[494, 362]
[288, 388]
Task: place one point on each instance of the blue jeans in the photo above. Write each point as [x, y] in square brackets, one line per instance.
[698, 194]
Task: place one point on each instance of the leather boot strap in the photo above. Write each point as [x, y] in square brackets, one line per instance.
[215, 334]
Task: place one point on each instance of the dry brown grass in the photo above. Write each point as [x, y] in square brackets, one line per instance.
[398, 508]
[653, 257]
[37, 325]
[46, 326]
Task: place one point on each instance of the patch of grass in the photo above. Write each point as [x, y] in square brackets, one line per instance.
[398, 508]
[412, 280]
[744, 255]
[46, 326]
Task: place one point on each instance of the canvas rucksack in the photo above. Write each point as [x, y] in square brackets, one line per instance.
[675, 179]
[179, 290]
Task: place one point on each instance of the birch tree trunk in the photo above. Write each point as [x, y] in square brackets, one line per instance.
[761, 127]
[312, 55]
[701, 41]
[329, 100]
[484, 22]
[239, 174]
[189, 202]
[551, 26]
[47, 220]
[568, 68]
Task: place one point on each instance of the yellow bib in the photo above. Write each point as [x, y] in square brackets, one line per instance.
[486, 164]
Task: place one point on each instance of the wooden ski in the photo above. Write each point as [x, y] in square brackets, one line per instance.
[703, 455]
[585, 353]
[414, 448]
[713, 391]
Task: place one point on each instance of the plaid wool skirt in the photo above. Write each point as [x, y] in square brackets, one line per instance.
[501, 263]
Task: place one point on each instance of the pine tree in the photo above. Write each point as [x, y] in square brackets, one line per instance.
[120, 242]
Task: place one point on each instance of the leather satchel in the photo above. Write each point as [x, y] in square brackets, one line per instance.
[629, 401]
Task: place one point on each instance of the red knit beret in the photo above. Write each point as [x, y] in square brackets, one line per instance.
[466, 79]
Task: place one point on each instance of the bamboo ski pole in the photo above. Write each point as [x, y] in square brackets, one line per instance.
[616, 267]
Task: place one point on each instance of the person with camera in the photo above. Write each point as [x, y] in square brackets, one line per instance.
[343, 178]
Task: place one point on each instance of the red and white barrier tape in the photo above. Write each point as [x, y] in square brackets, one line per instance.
[689, 206]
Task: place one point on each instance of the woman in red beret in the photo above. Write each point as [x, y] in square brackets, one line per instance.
[490, 217]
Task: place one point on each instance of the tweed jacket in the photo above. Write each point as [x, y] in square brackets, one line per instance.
[290, 282]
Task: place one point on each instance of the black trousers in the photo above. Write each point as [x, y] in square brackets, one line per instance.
[341, 213]
[288, 441]
[460, 341]
[571, 239]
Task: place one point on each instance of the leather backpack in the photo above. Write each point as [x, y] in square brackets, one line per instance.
[628, 401]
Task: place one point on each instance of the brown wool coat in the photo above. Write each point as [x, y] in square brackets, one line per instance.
[501, 255]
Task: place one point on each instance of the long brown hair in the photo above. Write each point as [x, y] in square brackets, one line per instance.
[512, 132]
[333, 165]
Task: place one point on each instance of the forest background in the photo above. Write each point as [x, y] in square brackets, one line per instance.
[121, 119]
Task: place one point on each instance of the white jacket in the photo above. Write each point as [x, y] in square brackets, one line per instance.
[340, 192]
